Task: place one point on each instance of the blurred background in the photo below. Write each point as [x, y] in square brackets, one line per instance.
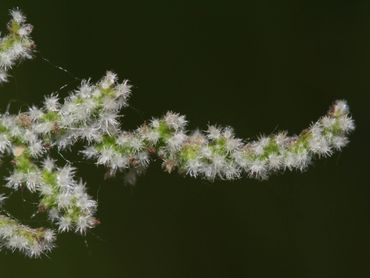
[259, 66]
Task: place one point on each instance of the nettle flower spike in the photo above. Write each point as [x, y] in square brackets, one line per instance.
[217, 153]
[91, 116]
[16, 45]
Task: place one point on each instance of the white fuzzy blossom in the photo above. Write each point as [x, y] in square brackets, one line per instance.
[91, 116]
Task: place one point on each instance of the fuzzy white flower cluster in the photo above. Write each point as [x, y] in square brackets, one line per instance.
[32, 242]
[16, 45]
[65, 199]
[90, 116]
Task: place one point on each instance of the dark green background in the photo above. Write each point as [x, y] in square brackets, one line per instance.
[255, 65]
